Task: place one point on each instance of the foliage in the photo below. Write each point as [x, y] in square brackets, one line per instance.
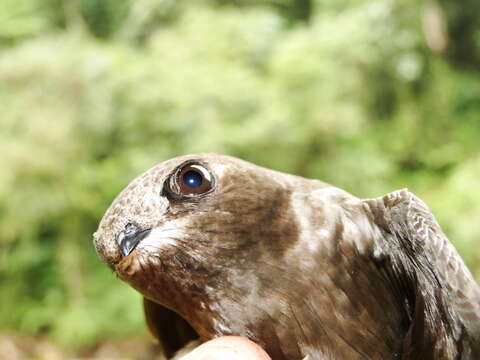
[94, 92]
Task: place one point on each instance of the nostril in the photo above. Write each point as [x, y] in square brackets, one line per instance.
[130, 229]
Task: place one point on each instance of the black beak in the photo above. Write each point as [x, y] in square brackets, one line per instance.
[129, 238]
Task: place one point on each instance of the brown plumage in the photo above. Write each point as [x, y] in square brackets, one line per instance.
[219, 246]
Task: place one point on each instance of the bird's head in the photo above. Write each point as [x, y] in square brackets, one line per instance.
[198, 230]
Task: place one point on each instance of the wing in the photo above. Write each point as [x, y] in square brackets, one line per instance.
[172, 331]
[441, 298]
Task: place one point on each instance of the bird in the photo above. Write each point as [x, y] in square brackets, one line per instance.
[219, 246]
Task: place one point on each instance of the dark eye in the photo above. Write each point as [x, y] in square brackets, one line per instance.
[193, 179]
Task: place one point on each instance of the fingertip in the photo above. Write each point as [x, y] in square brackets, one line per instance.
[228, 348]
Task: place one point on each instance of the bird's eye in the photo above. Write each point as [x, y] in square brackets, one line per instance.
[193, 179]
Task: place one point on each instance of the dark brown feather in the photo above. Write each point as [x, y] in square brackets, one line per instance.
[171, 330]
[442, 299]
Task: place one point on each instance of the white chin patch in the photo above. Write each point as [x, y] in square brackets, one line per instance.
[161, 237]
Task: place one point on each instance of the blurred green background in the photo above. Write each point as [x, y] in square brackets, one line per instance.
[370, 95]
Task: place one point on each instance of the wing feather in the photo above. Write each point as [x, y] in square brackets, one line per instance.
[441, 297]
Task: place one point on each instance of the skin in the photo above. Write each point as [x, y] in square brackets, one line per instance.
[300, 267]
[228, 348]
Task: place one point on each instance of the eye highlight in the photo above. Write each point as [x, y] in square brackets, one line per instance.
[191, 180]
